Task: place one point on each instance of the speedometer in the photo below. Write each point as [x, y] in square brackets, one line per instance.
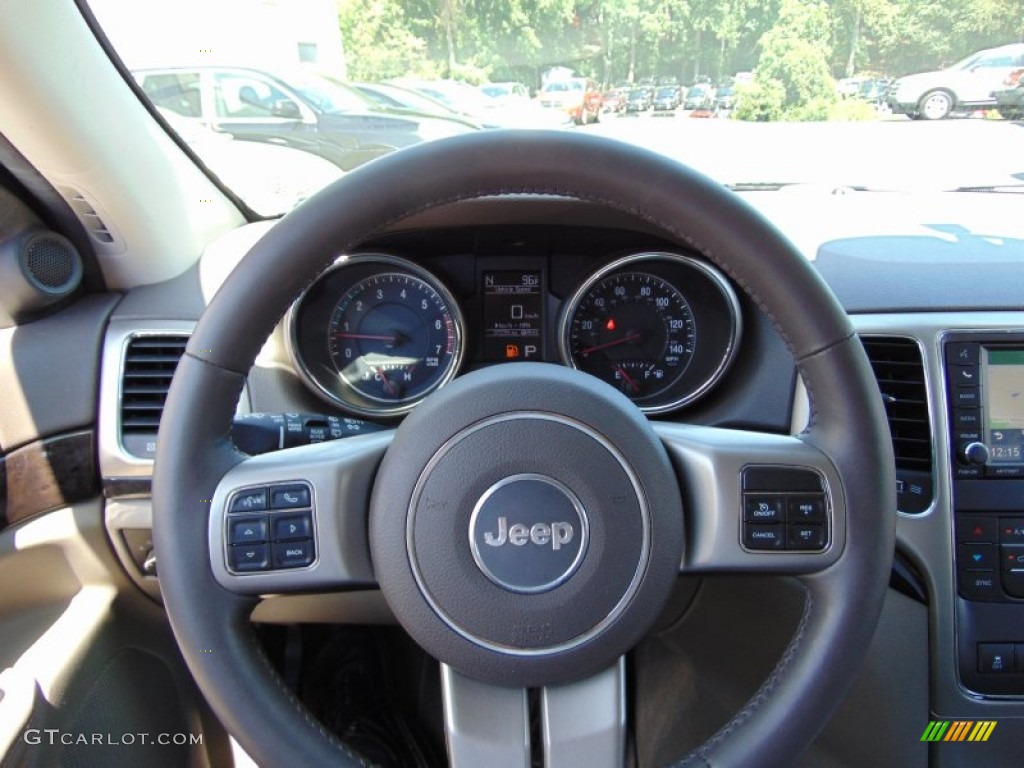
[635, 331]
[661, 328]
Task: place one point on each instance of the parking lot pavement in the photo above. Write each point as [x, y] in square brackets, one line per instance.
[886, 154]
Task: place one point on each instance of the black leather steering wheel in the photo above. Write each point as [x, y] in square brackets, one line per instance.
[398, 509]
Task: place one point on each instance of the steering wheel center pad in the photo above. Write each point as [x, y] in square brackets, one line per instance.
[551, 424]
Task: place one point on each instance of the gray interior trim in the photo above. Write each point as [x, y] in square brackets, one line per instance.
[340, 473]
[928, 538]
[484, 724]
[710, 463]
[48, 363]
[584, 723]
[115, 461]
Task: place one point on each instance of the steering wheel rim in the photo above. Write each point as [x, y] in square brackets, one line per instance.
[847, 423]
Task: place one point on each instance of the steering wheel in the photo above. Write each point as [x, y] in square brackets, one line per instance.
[526, 522]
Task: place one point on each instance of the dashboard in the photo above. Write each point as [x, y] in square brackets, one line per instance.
[518, 281]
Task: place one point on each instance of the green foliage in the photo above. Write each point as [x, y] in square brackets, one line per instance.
[798, 44]
[762, 101]
[378, 43]
[852, 110]
[794, 58]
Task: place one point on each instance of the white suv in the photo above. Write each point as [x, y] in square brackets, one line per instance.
[968, 84]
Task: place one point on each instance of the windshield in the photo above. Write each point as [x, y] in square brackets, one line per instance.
[792, 92]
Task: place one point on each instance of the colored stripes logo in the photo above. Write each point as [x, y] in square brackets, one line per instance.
[958, 730]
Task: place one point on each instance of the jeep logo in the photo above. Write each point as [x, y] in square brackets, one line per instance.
[528, 533]
[555, 535]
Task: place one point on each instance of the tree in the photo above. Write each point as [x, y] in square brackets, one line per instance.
[794, 56]
[377, 42]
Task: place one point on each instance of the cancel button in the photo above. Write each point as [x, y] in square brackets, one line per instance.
[770, 536]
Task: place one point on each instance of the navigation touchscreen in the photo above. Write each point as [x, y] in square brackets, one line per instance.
[1003, 405]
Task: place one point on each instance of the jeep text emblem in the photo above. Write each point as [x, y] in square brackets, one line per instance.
[540, 534]
[528, 533]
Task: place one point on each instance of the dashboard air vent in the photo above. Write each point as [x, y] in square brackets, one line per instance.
[149, 363]
[900, 373]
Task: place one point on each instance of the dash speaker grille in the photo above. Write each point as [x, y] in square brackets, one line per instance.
[51, 263]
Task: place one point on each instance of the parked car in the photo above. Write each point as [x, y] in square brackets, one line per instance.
[725, 98]
[577, 97]
[270, 178]
[506, 93]
[297, 109]
[613, 102]
[490, 113]
[699, 96]
[667, 98]
[638, 100]
[394, 98]
[1010, 96]
[968, 84]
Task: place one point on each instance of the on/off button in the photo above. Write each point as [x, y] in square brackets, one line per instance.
[763, 509]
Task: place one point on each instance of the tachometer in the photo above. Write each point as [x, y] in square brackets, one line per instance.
[634, 326]
[377, 334]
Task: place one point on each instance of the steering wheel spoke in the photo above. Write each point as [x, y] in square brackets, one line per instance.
[295, 520]
[581, 723]
[755, 502]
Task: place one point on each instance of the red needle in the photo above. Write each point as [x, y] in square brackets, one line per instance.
[384, 378]
[623, 340]
[371, 336]
[626, 376]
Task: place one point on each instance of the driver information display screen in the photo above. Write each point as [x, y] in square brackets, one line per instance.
[1004, 405]
[513, 314]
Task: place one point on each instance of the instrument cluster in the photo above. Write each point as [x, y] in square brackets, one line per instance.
[376, 333]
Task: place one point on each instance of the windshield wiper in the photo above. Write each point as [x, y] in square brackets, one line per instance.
[775, 186]
[1010, 189]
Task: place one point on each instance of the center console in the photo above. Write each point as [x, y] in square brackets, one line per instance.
[985, 386]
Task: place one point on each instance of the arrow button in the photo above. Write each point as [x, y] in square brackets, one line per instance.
[292, 527]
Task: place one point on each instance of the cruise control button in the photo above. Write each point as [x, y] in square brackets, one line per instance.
[806, 509]
[293, 554]
[291, 527]
[248, 557]
[289, 497]
[805, 536]
[247, 530]
[757, 536]
[250, 500]
[763, 509]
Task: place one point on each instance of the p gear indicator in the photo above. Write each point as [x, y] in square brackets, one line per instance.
[513, 307]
